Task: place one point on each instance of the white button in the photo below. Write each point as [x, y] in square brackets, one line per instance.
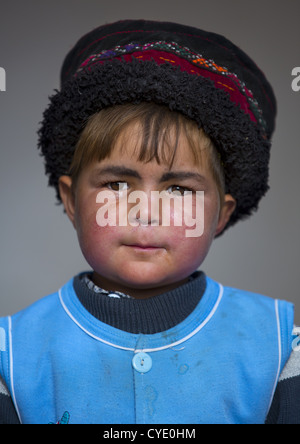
[142, 362]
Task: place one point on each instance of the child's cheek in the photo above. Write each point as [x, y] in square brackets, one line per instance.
[187, 213]
[92, 237]
[98, 243]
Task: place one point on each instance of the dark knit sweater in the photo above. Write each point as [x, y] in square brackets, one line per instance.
[161, 313]
[146, 316]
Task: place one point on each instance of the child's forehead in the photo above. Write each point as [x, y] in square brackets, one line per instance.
[129, 163]
[173, 148]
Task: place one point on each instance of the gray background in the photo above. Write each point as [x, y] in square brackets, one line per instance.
[39, 249]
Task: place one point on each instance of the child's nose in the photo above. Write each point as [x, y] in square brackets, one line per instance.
[145, 212]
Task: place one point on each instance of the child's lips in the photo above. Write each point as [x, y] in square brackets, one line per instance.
[144, 247]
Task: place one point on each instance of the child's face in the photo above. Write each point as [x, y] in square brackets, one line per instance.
[146, 259]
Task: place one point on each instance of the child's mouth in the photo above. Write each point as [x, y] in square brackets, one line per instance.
[144, 248]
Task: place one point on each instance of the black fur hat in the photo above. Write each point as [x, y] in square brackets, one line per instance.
[200, 74]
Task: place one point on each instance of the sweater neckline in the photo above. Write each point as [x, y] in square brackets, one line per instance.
[148, 316]
[120, 339]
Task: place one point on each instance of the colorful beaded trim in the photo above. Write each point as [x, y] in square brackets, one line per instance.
[231, 83]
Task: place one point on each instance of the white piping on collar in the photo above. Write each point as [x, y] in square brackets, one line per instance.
[146, 350]
[11, 369]
[279, 351]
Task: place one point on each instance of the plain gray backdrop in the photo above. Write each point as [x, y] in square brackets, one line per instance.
[39, 250]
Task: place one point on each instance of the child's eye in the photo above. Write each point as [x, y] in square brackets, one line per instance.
[177, 189]
[117, 186]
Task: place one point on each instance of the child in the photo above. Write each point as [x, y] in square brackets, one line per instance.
[157, 142]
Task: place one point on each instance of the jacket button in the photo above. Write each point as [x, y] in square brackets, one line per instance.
[142, 362]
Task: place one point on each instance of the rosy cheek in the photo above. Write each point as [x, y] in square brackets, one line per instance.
[101, 237]
[96, 243]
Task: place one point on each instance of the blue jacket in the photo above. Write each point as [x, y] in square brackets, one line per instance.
[220, 365]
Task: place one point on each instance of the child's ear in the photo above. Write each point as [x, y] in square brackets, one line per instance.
[67, 197]
[226, 211]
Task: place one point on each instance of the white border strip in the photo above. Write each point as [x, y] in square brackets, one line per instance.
[194, 332]
[11, 369]
[279, 351]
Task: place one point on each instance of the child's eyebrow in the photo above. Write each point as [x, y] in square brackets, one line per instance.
[170, 175]
[181, 175]
[117, 171]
